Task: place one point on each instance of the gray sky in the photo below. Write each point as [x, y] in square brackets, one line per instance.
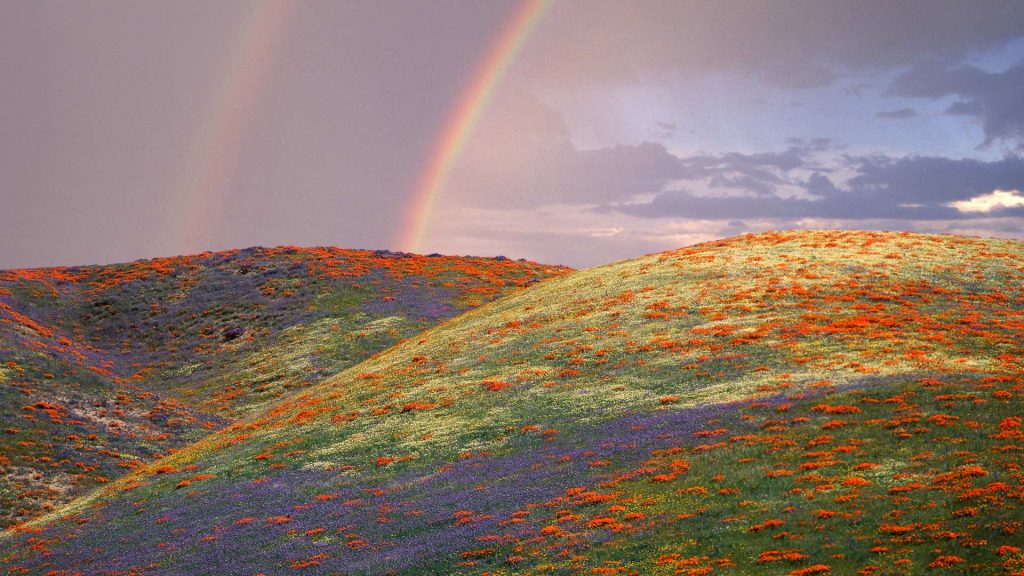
[141, 129]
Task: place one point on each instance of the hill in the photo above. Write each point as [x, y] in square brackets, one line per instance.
[106, 368]
[785, 403]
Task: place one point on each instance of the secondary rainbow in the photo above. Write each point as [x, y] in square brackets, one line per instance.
[213, 155]
[464, 118]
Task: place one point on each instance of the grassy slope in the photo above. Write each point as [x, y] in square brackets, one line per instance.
[789, 403]
[103, 368]
[66, 425]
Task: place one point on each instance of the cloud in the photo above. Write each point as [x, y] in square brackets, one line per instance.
[794, 44]
[992, 98]
[901, 114]
[523, 189]
[997, 200]
[580, 236]
[522, 155]
[933, 180]
[538, 165]
[872, 187]
[552, 173]
[527, 189]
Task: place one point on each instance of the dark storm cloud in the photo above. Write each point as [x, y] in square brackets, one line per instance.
[540, 165]
[917, 188]
[935, 180]
[813, 177]
[810, 178]
[609, 175]
[622, 170]
[995, 99]
[798, 43]
[579, 176]
[761, 166]
[901, 114]
[522, 155]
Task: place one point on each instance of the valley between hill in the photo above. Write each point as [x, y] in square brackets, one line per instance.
[106, 368]
[788, 403]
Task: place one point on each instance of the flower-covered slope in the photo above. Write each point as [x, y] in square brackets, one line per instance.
[68, 423]
[786, 403]
[105, 368]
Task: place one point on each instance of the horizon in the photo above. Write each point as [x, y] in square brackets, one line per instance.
[386, 251]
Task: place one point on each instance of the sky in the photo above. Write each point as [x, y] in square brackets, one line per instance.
[577, 132]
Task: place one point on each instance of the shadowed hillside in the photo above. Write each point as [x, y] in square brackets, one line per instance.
[785, 403]
[105, 368]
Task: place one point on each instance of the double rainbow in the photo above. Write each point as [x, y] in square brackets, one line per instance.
[214, 154]
[464, 118]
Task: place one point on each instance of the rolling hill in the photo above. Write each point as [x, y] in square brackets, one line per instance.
[791, 403]
[106, 368]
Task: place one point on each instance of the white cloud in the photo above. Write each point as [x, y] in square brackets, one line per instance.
[606, 232]
[995, 200]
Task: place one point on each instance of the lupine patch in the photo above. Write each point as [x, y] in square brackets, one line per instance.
[837, 411]
[119, 365]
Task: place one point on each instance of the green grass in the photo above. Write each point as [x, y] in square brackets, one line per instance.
[724, 357]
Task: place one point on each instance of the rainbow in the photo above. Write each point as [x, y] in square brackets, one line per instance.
[214, 153]
[464, 118]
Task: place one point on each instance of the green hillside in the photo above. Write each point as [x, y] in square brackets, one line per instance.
[788, 403]
[106, 368]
